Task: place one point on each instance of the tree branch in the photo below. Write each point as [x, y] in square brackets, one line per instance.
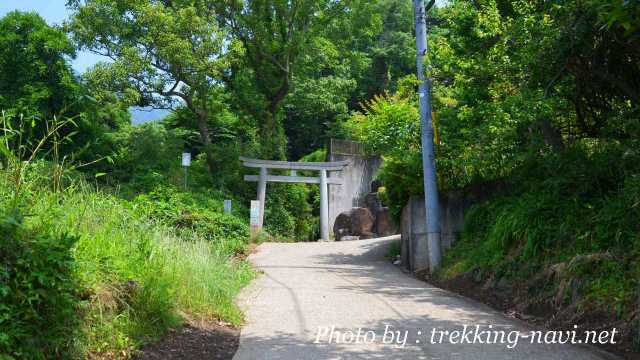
[429, 5]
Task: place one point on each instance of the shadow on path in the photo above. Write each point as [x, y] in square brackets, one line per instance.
[308, 289]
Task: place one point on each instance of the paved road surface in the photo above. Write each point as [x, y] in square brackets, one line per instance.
[310, 287]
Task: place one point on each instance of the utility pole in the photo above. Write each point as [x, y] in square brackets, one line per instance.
[426, 124]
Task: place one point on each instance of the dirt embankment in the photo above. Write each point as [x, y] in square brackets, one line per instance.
[551, 300]
[196, 340]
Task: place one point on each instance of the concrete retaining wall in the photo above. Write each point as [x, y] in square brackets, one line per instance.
[413, 250]
[357, 177]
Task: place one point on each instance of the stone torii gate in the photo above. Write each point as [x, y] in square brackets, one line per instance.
[323, 180]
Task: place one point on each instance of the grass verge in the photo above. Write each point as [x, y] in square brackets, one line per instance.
[134, 277]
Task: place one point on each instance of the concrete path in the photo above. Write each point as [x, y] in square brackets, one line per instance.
[308, 288]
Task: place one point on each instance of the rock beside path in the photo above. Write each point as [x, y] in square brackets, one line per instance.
[355, 222]
[384, 225]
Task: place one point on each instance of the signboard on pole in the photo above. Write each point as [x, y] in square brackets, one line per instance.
[254, 217]
[255, 213]
[186, 162]
[186, 159]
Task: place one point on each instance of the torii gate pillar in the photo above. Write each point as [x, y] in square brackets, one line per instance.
[323, 180]
[262, 194]
[324, 206]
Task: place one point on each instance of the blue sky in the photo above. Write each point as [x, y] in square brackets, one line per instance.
[55, 12]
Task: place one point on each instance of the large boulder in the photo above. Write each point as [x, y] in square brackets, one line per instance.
[342, 226]
[361, 222]
[384, 225]
[355, 222]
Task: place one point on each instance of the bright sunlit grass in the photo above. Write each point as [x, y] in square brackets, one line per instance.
[137, 277]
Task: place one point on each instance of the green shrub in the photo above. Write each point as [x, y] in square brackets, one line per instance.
[198, 214]
[390, 127]
[147, 155]
[288, 212]
[402, 178]
[38, 290]
[390, 124]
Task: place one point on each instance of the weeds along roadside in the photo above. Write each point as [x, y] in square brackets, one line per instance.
[86, 273]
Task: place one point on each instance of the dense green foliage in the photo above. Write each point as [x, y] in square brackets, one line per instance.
[363, 49]
[197, 214]
[37, 288]
[35, 78]
[37, 84]
[270, 56]
[518, 78]
[104, 242]
[576, 202]
[512, 81]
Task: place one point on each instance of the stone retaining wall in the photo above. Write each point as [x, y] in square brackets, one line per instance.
[413, 249]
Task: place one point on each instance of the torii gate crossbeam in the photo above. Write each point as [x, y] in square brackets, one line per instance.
[323, 180]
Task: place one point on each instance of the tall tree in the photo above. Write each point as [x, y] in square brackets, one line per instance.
[165, 53]
[35, 78]
[360, 51]
[37, 83]
[274, 34]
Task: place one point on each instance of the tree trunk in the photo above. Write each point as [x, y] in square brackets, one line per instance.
[202, 115]
[273, 138]
[550, 134]
[205, 137]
